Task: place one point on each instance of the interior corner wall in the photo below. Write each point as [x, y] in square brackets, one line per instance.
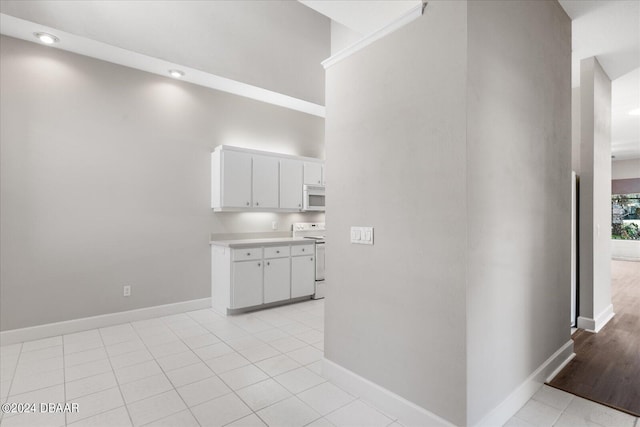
[342, 37]
[518, 195]
[105, 181]
[395, 141]
[595, 192]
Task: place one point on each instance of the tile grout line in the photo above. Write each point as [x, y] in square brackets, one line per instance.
[214, 373]
[270, 377]
[64, 381]
[165, 324]
[113, 372]
[165, 374]
[13, 377]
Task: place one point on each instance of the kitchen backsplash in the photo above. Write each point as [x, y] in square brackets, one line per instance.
[257, 225]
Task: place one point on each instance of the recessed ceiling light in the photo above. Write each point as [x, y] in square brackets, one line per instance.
[46, 38]
[176, 73]
[635, 112]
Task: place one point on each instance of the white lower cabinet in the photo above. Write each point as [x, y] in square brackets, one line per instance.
[303, 275]
[247, 284]
[252, 276]
[277, 279]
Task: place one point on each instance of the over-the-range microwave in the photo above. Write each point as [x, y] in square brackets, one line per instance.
[313, 198]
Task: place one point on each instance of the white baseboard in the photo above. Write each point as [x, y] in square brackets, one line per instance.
[77, 325]
[406, 412]
[499, 415]
[594, 325]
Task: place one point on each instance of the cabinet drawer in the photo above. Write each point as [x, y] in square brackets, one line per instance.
[302, 250]
[247, 254]
[276, 252]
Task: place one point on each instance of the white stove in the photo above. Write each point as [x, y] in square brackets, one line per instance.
[314, 231]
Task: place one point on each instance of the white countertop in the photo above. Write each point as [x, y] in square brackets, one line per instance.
[273, 241]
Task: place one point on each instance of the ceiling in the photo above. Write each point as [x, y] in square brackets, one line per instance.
[606, 29]
[610, 31]
[363, 17]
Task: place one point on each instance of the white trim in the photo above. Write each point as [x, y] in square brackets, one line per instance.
[22, 29]
[406, 412]
[225, 147]
[508, 407]
[412, 14]
[77, 325]
[621, 258]
[595, 325]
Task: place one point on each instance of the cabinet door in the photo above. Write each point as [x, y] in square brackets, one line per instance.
[291, 184]
[277, 286]
[303, 272]
[236, 179]
[312, 173]
[247, 284]
[265, 182]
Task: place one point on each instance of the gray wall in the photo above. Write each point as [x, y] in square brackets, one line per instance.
[277, 45]
[625, 169]
[105, 181]
[595, 189]
[395, 138]
[459, 154]
[518, 196]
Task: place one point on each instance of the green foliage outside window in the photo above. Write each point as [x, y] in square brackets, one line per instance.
[625, 216]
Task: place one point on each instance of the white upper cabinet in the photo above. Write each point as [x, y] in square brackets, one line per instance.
[265, 182]
[312, 173]
[235, 176]
[243, 179]
[291, 184]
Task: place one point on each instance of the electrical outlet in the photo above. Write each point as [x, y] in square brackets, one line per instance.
[126, 291]
[274, 225]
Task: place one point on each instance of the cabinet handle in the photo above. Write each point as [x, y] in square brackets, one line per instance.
[277, 252]
[302, 249]
[268, 263]
[257, 204]
[299, 205]
[311, 259]
[248, 253]
[247, 203]
[258, 264]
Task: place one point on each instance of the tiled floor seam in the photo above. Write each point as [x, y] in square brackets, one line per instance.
[165, 374]
[64, 380]
[336, 409]
[13, 377]
[225, 383]
[114, 375]
[270, 377]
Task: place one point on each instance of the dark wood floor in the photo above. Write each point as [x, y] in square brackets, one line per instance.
[606, 368]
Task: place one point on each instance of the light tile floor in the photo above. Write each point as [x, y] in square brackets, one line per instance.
[203, 369]
[553, 407]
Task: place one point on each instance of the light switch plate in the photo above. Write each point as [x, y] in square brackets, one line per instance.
[362, 235]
